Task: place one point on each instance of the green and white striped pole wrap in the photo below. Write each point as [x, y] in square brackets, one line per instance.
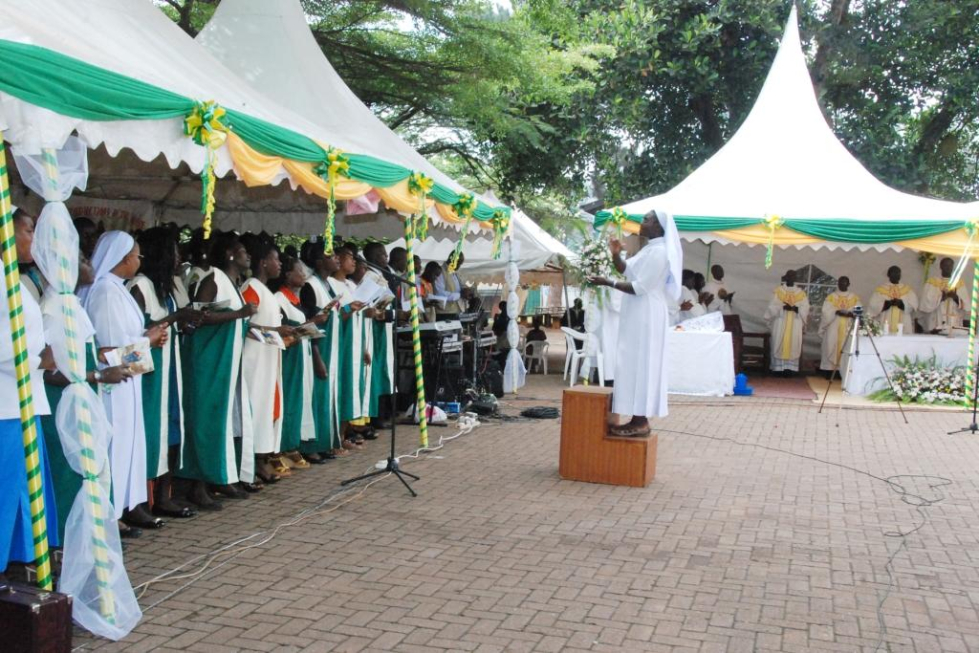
[416, 341]
[15, 309]
[77, 374]
[970, 375]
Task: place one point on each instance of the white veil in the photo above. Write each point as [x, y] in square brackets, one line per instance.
[674, 254]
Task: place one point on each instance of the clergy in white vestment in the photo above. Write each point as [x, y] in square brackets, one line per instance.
[787, 313]
[689, 300]
[721, 290]
[835, 322]
[652, 278]
[941, 307]
[893, 304]
[119, 322]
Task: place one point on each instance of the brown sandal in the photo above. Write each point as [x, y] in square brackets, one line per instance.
[630, 431]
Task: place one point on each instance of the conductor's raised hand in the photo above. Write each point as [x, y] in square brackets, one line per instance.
[615, 246]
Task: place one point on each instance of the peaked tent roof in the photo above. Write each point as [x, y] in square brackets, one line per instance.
[786, 162]
[269, 43]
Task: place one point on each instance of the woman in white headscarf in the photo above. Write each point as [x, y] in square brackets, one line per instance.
[652, 280]
[118, 322]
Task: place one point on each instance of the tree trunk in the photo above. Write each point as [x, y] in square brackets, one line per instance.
[838, 11]
[703, 107]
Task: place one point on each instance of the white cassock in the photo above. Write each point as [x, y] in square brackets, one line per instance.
[894, 316]
[687, 295]
[609, 336]
[118, 322]
[937, 313]
[640, 368]
[715, 287]
[787, 327]
[833, 328]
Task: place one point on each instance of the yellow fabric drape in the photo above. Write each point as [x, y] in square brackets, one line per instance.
[400, 198]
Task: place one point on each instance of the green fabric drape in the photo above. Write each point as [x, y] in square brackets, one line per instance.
[866, 231]
[837, 229]
[71, 87]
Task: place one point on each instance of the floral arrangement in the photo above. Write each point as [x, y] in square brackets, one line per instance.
[595, 260]
[869, 327]
[924, 382]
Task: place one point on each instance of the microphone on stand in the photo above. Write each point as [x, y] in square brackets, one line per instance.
[387, 274]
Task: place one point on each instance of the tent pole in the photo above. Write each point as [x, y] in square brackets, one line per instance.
[567, 298]
[970, 378]
[710, 251]
[15, 313]
[416, 344]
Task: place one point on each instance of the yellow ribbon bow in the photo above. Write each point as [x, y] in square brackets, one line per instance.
[421, 185]
[501, 225]
[330, 169]
[618, 220]
[772, 223]
[464, 207]
[204, 126]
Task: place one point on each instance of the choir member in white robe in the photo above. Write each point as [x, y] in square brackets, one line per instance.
[787, 314]
[261, 361]
[893, 304]
[118, 322]
[721, 290]
[835, 322]
[652, 276]
[941, 307]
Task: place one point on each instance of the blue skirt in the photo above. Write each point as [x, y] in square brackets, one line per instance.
[16, 538]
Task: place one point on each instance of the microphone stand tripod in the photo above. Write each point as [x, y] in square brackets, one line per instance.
[392, 466]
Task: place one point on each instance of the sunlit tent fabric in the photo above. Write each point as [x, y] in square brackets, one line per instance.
[270, 45]
[785, 178]
[534, 249]
[121, 74]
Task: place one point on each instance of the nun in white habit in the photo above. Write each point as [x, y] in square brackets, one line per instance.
[652, 281]
[118, 322]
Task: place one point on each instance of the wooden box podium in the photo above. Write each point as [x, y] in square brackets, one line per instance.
[589, 453]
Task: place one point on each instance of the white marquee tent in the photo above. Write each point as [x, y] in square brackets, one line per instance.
[270, 44]
[786, 161]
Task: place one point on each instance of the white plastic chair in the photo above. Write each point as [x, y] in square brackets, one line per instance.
[579, 355]
[535, 350]
[570, 338]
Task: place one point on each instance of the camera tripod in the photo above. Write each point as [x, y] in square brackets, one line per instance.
[852, 339]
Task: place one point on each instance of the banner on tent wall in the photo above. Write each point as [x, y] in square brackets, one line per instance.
[124, 215]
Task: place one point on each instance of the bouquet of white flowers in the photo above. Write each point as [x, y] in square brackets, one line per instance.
[595, 260]
[926, 382]
[871, 327]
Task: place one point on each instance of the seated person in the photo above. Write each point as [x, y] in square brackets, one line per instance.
[537, 333]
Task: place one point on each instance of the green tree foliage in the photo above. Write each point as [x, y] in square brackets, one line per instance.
[540, 100]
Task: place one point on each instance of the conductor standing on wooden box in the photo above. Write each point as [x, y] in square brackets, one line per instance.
[652, 281]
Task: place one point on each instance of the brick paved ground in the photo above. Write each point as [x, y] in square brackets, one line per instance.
[738, 545]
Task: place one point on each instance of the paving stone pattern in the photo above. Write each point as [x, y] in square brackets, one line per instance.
[746, 542]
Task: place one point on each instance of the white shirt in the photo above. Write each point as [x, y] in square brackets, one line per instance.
[34, 328]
